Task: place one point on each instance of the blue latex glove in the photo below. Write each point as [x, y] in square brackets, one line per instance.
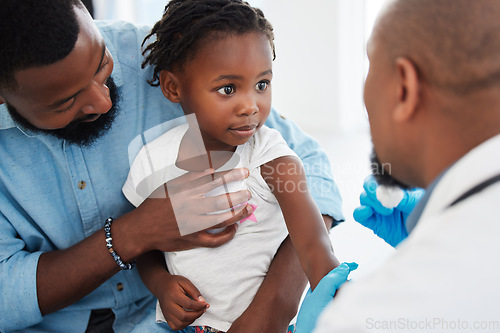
[315, 301]
[388, 220]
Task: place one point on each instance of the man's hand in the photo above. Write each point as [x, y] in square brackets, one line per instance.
[315, 301]
[385, 210]
[156, 219]
[152, 226]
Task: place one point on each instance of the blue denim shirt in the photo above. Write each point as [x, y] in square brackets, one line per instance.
[43, 208]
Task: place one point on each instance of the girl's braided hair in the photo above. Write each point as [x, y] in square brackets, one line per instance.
[187, 24]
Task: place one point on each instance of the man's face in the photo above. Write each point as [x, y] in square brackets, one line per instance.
[380, 100]
[382, 172]
[70, 95]
[82, 133]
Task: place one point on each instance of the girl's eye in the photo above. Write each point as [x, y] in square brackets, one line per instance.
[226, 90]
[262, 85]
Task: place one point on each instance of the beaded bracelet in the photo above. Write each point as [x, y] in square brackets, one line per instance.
[109, 245]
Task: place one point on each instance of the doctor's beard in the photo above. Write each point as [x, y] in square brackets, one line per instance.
[382, 176]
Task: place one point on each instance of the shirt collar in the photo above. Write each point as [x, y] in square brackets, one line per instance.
[6, 120]
[412, 219]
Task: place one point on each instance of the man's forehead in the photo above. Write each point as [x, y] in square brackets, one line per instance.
[56, 83]
[87, 25]
[373, 42]
[369, 45]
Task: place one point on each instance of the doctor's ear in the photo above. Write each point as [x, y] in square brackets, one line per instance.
[169, 86]
[408, 89]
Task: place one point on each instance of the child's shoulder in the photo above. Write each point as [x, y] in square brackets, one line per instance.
[171, 137]
[266, 145]
[266, 137]
[268, 132]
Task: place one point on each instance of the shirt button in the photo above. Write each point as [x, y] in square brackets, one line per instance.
[81, 185]
[119, 286]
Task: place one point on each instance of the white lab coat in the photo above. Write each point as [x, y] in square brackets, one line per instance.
[446, 275]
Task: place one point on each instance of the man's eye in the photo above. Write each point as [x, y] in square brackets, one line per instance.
[102, 67]
[68, 108]
[262, 85]
[226, 90]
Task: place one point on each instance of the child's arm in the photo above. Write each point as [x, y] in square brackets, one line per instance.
[316, 163]
[286, 178]
[180, 301]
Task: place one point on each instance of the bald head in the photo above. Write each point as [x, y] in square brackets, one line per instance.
[454, 44]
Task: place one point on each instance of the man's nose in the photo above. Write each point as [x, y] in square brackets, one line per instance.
[99, 101]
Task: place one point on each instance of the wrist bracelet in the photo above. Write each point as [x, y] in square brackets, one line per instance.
[109, 245]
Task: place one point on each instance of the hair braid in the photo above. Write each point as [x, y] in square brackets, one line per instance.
[186, 24]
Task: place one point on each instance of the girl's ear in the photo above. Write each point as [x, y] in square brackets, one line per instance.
[169, 86]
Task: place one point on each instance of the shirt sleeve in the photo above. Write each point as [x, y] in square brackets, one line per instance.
[268, 145]
[19, 303]
[316, 164]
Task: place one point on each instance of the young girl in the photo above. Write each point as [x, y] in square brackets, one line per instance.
[214, 58]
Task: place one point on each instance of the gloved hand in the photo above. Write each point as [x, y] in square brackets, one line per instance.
[315, 301]
[385, 209]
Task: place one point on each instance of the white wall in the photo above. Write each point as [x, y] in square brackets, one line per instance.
[319, 61]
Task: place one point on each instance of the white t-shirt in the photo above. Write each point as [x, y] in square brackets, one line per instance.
[446, 276]
[229, 276]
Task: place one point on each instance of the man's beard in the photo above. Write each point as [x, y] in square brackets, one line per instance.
[78, 132]
[383, 176]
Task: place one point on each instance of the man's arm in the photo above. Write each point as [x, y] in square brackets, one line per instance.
[65, 276]
[157, 230]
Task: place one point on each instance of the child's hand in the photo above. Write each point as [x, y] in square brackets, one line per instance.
[181, 302]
